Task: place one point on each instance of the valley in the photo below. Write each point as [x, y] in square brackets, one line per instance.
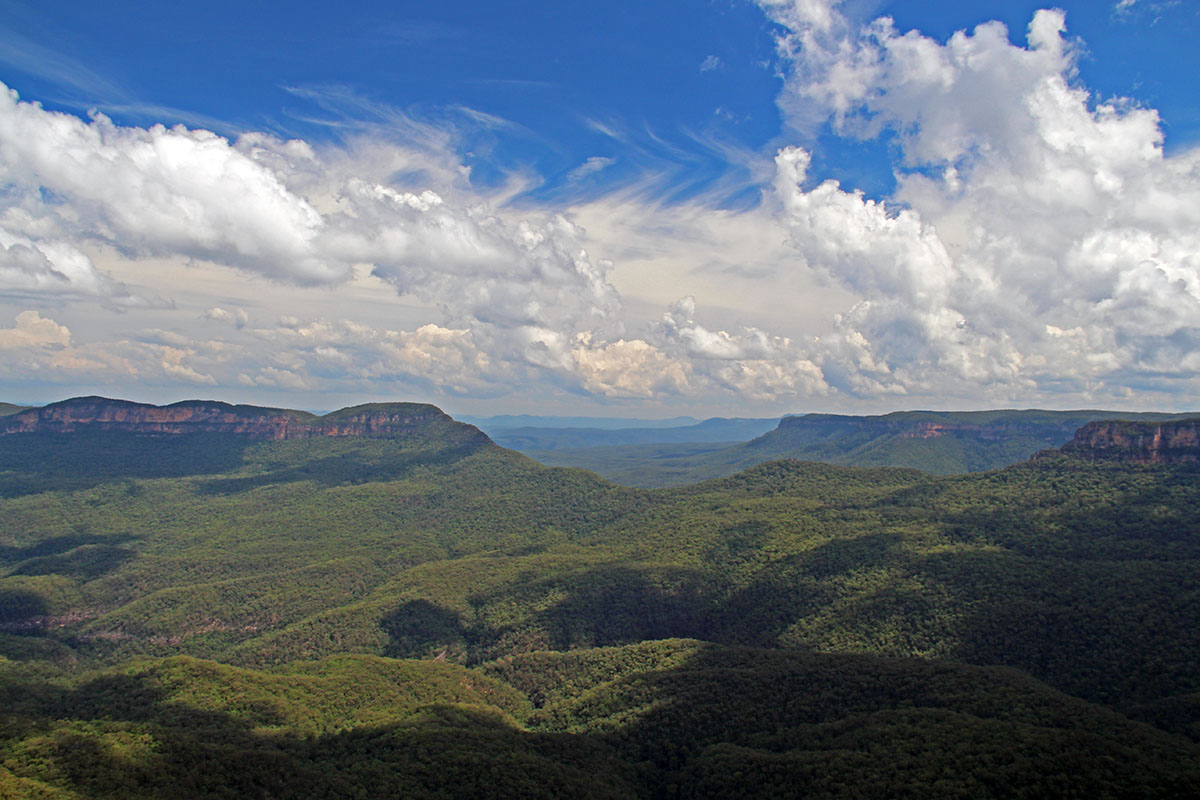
[192, 612]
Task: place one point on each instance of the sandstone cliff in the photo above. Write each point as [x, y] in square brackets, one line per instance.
[1172, 442]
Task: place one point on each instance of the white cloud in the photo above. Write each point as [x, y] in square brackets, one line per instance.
[635, 369]
[590, 167]
[38, 348]
[1036, 239]
[750, 362]
[34, 330]
[163, 190]
[1128, 9]
[772, 381]
[238, 317]
[710, 63]
[173, 362]
[282, 210]
[681, 329]
[56, 268]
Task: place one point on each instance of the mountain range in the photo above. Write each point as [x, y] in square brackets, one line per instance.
[942, 443]
[382, 601]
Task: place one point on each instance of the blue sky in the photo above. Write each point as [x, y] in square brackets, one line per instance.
[668, 76]
[655, 130]
[550, 69]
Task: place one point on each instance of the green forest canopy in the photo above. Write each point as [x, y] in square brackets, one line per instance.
[759, 629]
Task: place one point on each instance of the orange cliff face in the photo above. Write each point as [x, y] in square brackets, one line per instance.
[98, 413]
[1174, 442]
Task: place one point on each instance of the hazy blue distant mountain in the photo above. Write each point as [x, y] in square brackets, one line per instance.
[509, 421]
[718, 430]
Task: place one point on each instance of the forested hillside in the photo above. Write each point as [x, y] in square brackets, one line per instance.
[211, 614]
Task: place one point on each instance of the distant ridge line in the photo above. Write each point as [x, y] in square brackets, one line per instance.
[213, 416]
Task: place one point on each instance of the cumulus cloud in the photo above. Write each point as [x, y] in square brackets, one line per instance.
[1037, 237]
[448, 360]
[38, 348]
[29, 267]
[524, 272]
[749, 362]
[633, 368]
[680, 328]
[166, 190]
[474, 362]
[238, 317]
[33, 330]
[322, 355]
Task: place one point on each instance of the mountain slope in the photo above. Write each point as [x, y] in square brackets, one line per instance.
[943, 443]
[440, 543]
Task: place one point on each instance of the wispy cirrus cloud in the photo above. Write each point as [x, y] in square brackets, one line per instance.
[56, 67]
[590, 167]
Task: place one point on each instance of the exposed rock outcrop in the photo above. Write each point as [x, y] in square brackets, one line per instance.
[1173, 442]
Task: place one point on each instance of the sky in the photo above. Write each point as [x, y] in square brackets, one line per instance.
[721, 208]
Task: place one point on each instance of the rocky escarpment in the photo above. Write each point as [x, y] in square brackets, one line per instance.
[203, 416]
[1172, 442]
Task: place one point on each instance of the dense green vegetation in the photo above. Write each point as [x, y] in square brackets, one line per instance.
[667, 718]
[208, 615]
[943, 443]
[720, 721]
